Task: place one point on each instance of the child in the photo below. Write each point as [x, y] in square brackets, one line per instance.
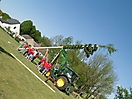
[33, 55]
[24, 48]
[43, 60]
[42, 67]
[25, 53]
[48, 66]
[30, 52]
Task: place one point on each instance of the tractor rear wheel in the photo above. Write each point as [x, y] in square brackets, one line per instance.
[62, 83]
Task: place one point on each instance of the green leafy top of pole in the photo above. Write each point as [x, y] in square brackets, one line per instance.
[89, 49]
[110, 48]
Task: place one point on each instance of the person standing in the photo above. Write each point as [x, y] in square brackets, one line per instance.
[47, 67]
[35, 56]
[43, 60]
[30, 52]
[25, 53]
[43, 66]
[24, 48]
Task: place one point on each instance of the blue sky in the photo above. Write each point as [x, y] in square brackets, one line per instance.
[90, 21]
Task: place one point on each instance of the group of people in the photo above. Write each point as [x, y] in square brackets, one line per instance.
[44, 66]
[30, 52]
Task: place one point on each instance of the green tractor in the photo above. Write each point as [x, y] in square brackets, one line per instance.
[64, 76]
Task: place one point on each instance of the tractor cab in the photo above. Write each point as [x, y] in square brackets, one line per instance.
[70, 74]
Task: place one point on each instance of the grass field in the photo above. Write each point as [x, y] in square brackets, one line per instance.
[16, 82]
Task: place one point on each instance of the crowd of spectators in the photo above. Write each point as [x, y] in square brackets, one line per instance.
[31, 53]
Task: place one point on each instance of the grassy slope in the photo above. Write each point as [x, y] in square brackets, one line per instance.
[16, 82]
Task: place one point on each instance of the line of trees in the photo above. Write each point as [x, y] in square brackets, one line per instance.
[123, 93]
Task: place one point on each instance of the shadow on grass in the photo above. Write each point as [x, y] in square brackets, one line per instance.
[3, 51]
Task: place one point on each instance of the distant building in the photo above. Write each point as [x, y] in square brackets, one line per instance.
[12, 24]
[28, 39]
[31, 41]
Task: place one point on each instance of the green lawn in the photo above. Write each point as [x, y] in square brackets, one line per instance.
[16, 82]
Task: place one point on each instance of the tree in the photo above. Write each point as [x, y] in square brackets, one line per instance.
[1, 13]
[32, 32]
[26, 27]
[5, 16]
[67, 41]
[123, 93]
[56, 40]
[97, 78]
[59, 41]
[45, 41]
[37, 35]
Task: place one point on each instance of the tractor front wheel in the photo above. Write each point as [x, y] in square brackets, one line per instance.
[62, 83]
[47, 74]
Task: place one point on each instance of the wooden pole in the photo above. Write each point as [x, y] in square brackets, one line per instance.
[53, 47]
